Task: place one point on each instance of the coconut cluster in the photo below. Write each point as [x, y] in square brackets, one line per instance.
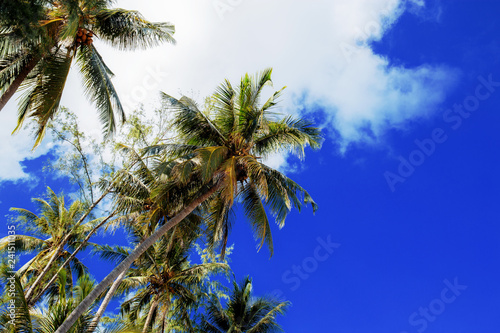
[83, 37]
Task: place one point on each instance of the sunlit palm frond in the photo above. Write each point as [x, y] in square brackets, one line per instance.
[112, 253]
[128, 30]
[99, 88]
[22, 243]
[225, 106]
[289, 134]
[192, 124]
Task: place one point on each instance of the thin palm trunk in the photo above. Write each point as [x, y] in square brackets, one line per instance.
[17, 82]
[35, 284]
[149, 318]
[163, 320]
[34, 299]
[164, 317]
[125, 264]
[106, 300]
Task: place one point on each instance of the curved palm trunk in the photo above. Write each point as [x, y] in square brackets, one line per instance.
[35, 284]
[17, 82]
[149, 319]
[125, 264]
[106, 300]
[35, 298]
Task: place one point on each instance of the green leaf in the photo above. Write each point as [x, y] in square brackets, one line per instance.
[211, 160]
[128, 30]
[99, 88]
[256, 214]
[42, 99]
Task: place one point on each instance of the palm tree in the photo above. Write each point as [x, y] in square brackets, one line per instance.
[59, 227]
[37, 55]
[132, 188]
[218, 156]
[68, 259]
[243, 313]
[165, 284]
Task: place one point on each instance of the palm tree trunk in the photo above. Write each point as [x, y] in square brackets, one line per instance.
[35, 298]
[149, 319]
[163, 321]
[17, 81]
[35, 284]
[125, 264]
[106, 300]
[167, 308]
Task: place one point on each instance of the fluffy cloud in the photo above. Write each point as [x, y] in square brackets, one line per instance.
[319, 49]
[368, 98]
[16, 148]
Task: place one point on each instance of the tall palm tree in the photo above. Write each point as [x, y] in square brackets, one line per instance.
[132, 190]
[56, 224]
[221, 149]
[37, 55]
[243, 313]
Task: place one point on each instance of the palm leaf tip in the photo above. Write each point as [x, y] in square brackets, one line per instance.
[309, 199]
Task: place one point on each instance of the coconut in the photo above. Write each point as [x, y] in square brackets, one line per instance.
[79, 33]
[84, 38]
[78, 40]
[90, 34]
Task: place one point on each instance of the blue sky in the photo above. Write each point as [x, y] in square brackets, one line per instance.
[415, 247]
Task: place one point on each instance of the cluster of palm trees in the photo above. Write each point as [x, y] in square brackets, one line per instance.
[170, 196]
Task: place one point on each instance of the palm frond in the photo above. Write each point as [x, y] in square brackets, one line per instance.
[99, 88]
[285, 193]
[256, 214]
[12, 65]
[211, 160]
[41, 101]
[22, 317]
[172, 150]
[112, 253]
[289, 134]
[264, 312]
[226, 112]
[192, 124]
[128, 30]
[22, 243]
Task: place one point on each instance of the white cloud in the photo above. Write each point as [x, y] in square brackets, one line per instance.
[317, 48]
[369, 97]
[16, 148]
